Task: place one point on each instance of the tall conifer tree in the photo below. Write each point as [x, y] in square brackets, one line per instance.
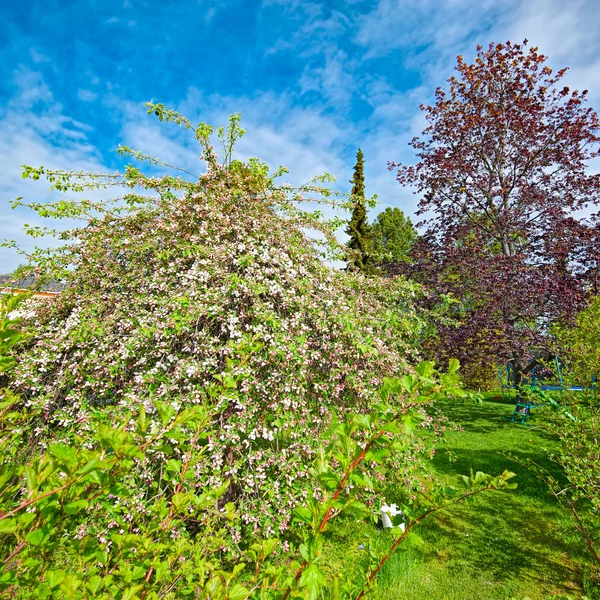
[358, 228]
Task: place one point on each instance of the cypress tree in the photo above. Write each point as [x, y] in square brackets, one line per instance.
[358, 228]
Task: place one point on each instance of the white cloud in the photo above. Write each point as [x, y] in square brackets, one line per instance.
[86, 95]
[209, 14]
[333, 81]
[422, 37]
[305, 140]
[44, 136]
[38, 57]
[426, 36]
[31, 88]
[568, 34]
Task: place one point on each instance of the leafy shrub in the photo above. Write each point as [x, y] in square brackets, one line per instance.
[203, 382]
[205, 281]
[574, 417]
[10, 333]
[78, 521]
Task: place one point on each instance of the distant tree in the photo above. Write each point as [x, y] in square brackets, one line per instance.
[502, 168]
[392, 236]
[358, 227]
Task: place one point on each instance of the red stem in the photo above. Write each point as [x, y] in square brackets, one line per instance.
[327, 515]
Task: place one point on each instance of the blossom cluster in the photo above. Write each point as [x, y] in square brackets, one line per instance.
[219, 287]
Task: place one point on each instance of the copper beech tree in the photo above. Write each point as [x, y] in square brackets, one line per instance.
[502, 167]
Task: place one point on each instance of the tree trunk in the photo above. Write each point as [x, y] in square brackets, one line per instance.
[522, 364]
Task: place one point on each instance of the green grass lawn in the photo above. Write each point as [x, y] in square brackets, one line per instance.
[514, 544]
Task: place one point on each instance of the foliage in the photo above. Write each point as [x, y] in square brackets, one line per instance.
[393, 236]
[10, 335]
[481, 371]
[202, 383]
[358, 227]
[502, 167]
[574, 417]
[165, 291]
[79, 520]
[580, 343]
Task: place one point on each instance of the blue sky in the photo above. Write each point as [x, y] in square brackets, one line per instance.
[313, 80]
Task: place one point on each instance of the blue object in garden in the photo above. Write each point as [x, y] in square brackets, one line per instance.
[523, 409]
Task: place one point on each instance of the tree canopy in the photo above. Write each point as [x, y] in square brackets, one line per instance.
[392, 236]
[503, 165]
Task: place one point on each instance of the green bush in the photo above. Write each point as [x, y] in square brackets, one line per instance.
[205, 398]
[574, 417]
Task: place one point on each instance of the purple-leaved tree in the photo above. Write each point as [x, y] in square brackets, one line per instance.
[503, 168]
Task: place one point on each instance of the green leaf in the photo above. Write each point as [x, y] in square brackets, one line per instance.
[35, 537]
[173, 466]
[54, 578]
[313, 580]
[138, 572]
[74, 507]
[8, 578]
[410, 422]
[142, 419]
[238, 592]
[131, 593]
[303, 514]
[6, 363]
[165, 411]
[304, 552]
[377, 455]
[453, 366]
[25, 518]
[95, 584]
[90, 466]
[362, 480]
[407, 382]
[30, 478]
[8, 525]
[64, 454]
[268, 546]
[425, 368]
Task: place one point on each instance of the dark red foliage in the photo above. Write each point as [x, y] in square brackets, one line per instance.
[503, 165]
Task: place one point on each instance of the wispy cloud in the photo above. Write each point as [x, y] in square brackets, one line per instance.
[568, 34]
[86, 95]
[38, 57]
[44, 136]
[313, 80]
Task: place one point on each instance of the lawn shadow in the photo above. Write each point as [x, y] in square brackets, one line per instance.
[506, 542]
[515, 542]
[456, 462]
[514, 534]
[491, 417]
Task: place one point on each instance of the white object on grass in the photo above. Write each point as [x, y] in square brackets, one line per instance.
[387, 512]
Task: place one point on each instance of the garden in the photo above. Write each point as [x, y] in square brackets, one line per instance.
[205, 407]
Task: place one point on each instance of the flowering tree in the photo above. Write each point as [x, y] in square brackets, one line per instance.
[203, 382]
[183, 283]
[74, 524]
[502, 166]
